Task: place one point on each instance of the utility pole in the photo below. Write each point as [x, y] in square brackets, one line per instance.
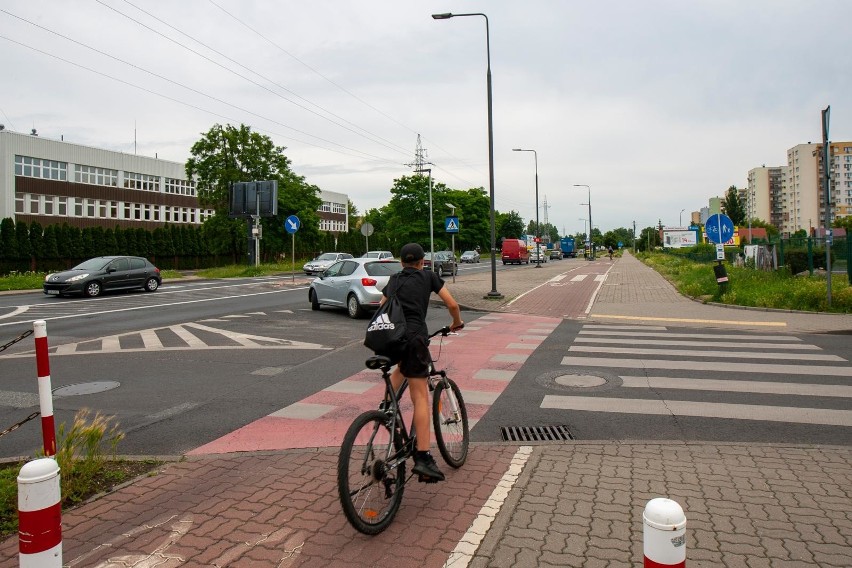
[419, 164]
[826, 168]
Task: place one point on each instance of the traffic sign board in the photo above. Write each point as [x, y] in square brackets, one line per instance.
[292, 224]
[719, 228]
[451, 224]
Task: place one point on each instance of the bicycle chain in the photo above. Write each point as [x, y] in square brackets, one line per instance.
[14, 427]
[17, 339]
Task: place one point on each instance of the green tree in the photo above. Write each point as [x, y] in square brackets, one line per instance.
[228, 154]
[22, 237]
[843, 223]
[771, 230]
[474, 212]
[50, 243]
[509, 226]
[734, 207]
[36, 237]
[649, 236]
[110, 244]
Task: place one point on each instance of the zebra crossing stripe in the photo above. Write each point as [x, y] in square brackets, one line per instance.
[687, 343]
[667, 407]
[733, 385]
[693, 353]
[711, 336]
[716, 366]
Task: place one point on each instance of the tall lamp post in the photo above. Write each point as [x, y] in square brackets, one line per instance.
[446, 16]
[680, 219]
[591, 241]
[537, 224]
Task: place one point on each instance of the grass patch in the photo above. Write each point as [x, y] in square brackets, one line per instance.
[88, 465]
[22, 281]
[243, 271]
[756, 288]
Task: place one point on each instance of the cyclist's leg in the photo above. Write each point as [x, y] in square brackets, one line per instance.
[419, 391]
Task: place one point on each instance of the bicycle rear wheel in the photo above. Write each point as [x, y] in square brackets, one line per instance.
[370, 492]
[449, 417]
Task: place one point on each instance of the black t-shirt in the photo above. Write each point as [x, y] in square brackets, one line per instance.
[413, 289]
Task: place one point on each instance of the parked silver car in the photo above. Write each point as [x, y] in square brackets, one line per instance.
[380, 254]
[355, 284]
[323, 261]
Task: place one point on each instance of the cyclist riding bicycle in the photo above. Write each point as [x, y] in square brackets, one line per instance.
[413, 287]
[610, 252]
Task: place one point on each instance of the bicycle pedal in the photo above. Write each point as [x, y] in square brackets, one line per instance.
[427, 479]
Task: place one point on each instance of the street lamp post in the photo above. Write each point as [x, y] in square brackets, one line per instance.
[493, 294]
[591, 241]
[537, 224]
[680, 219]
[453, 237]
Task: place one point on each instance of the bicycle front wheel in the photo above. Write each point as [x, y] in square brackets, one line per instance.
[449, 417]
[370, 490]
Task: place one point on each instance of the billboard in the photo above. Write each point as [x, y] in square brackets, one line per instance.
[679, 238]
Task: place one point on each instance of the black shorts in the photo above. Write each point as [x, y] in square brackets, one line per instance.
[416, 362]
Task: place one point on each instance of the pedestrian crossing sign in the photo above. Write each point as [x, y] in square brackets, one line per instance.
[451, 224]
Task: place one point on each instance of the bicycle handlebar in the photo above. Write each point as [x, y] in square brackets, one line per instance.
[445, 331]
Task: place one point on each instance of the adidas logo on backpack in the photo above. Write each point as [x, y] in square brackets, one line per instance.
[382, 322]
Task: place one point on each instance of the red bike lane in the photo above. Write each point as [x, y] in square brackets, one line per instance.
[569, 294]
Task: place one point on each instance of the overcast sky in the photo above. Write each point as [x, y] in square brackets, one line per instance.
[656, 105]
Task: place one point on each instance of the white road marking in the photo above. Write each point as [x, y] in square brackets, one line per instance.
[18, 310]
[712, 336]
[719, 367]
[693, 353]
[463, 553]
[675, 342]
[700, 409]
[733, 385]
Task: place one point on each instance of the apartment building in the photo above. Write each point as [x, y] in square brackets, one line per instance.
[803, 200]
[333, 212]
[763, 197]
[55, 182]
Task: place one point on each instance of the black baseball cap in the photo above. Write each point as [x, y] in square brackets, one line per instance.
[412, 252]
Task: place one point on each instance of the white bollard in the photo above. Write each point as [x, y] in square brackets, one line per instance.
[664, 534]
[39, 515]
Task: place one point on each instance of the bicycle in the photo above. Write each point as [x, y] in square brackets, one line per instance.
[371, 467]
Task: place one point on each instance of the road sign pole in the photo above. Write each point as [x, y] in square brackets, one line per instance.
[293, 254]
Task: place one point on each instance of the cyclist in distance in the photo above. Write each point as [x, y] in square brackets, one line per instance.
[413, 287]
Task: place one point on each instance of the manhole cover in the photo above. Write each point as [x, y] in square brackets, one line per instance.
[580, 381]
[86, 388]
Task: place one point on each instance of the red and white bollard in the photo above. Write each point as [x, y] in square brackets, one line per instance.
[45, 394]
[39, 515]
[664, 534]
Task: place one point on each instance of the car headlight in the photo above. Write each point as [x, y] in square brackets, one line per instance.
[78, 277]
[46, 278]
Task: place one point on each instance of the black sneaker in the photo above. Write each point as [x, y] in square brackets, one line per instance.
[427, 470]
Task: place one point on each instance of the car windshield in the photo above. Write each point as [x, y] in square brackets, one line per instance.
[382, 268]
[93, 264]
[327, 256]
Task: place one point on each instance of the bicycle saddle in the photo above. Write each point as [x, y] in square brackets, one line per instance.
[377, 362]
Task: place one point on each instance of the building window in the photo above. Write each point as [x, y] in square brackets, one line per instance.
[38, 168]
[33, 204]
[95, 176]
[62, 206]
[142, 182]
[48, 205]
[90, 208]
[180, 186]
[19, 203]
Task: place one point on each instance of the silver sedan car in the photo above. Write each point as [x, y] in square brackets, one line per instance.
[354, 283]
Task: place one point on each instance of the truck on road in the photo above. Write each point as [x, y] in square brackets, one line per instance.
[568, 248]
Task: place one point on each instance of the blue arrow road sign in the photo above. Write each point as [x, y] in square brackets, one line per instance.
[292, 224]
[451, 224]
[719, 229]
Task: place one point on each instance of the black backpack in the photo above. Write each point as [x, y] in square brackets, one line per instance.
[387, 333]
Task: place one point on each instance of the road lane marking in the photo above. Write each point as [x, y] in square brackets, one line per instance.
[732, 385]
[695, 320]
[717, 366]
[18, 310]
[600, 280]
[700, 409]
[694, 353]
[685, 343]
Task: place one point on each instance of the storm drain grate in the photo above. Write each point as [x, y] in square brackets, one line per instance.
[535, 433]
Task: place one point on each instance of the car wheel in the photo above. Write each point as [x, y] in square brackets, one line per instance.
[353, 307]
[92, 289]
[441, 271]
[315, 305]
[151, 285]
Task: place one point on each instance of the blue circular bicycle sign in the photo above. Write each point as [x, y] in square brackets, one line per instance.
[719, 229]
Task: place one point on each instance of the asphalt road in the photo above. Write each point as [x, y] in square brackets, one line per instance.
[199, 360]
